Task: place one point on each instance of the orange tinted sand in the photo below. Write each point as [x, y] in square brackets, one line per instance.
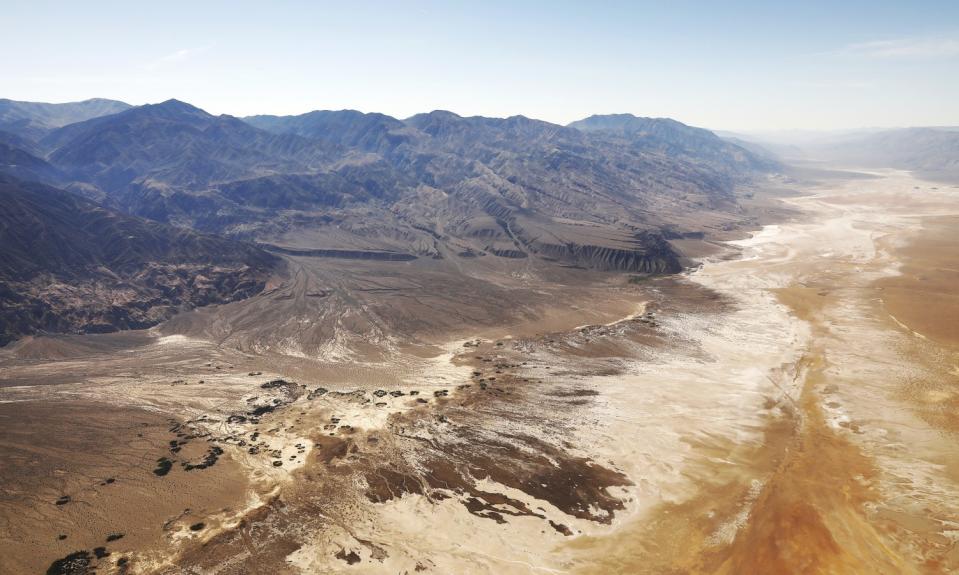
[810, 517]
[926, 296]
[682, 537]
[925, 300]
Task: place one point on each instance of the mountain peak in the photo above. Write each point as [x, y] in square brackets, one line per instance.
[174, 106]
[174, 102]
[434, 116]
[435, 122]
[638, 126]
[623, 122]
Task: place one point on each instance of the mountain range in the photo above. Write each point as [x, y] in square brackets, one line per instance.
[930, 151]
[33, 120]
[606, 193]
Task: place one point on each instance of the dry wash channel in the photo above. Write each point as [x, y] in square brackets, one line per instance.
[857, 472]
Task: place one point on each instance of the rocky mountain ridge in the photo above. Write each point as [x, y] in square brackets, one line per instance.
[481, 194]
[69, 265]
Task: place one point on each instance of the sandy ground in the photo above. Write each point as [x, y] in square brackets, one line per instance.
[787, 407]
[856, 474]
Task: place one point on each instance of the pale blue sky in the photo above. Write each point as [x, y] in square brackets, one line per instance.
[756, 65]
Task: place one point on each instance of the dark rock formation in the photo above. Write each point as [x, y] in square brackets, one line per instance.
[69, 265]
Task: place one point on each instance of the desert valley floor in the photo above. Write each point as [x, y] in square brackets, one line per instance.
[790, 405]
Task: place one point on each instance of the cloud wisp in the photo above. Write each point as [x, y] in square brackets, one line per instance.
[903, 49]
[173, 58]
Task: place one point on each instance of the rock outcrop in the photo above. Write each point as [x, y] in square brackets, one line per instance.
[68, 265]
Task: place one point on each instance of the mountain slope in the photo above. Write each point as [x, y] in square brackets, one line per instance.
[517, 187]
[174, 144]
[21, 163]
[68, 265]
[33, 120]
[674, 138]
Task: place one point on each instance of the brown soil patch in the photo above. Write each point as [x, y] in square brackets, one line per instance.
[926, 296]
[97, 461]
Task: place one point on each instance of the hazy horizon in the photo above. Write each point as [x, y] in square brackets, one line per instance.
[748, 68]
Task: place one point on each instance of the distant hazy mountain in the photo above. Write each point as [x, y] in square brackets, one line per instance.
[69, 265]
[33, 120]
[664, 129]
[347, 128]
[769, 153]
[932, 152]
